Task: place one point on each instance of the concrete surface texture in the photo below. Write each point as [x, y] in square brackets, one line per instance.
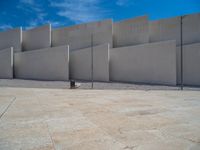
[165, 29]
[178, 64]
[11, 38]
[191, 29]
[148, 63]
[131, 32]
[191, 68]
[43, 64]
[60, 119]
[37, 38]
[79, 36]
[81, 63]
[6, 63]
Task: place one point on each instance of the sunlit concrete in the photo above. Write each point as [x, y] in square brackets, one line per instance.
[43, 64]
[11, 38]
[6, 63]
[81, 63]
[131, 32]
[80, 36]
[37, 38]
[60, 119]
[153, 63]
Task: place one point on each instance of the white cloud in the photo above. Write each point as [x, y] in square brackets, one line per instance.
[79, 11]
[5, 27]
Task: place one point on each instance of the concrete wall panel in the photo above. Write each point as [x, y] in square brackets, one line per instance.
[37, 38]
[191, 29]
[11, 38]
[43, 64]
[131, 32]
[165, 29]
[80, 63]
[79, 36]
[191, 64]
[153, 63]
[6, 63]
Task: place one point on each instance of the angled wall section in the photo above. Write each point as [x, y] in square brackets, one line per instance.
[191, 64]
[165, 29]
[37, 38]
[43, 64]
[6, 63]
[80, 63]
[153, 63]
[11, 38]
[79, 36]
[191, 29]
[131, 32]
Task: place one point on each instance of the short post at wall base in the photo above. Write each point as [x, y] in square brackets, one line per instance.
[72, 84]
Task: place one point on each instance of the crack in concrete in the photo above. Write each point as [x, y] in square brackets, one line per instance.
[52, 141]
[7, 107]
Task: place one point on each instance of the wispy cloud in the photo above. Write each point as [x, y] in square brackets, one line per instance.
[32, 7]
[124, 2]
[80, 11]
[55, 23]
[31, 2]
[5, 27]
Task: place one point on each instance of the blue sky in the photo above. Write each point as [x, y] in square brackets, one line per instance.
[31, 13]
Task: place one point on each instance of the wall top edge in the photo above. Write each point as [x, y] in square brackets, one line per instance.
[96, 46]
[83, 24]
[39, 27]
[176, 17]
[44, 49]
[12, 30]
[154, 43]
[145, 17]
[6, 49]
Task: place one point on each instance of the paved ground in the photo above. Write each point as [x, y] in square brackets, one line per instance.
[44, 119]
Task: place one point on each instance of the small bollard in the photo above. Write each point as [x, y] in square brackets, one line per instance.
[72, 84]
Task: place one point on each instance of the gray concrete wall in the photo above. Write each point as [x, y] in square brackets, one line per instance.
[80, 63]
[131, 32]
[191, 29]
[178, 64]
[79, 36]
[153, 63]
[165, 29]
[43, 64]
[191, 64]
[11, 38]
[6, 63]
[37, 38]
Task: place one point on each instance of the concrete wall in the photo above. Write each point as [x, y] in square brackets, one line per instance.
[6, 63]
[165, 29]
[153, 63]
[191, 64]
[80, 63]
[191, 29]
[11, 38]
[79, 36]
[43, 64]
[37, 38]
[178, 64]
[131, 32]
